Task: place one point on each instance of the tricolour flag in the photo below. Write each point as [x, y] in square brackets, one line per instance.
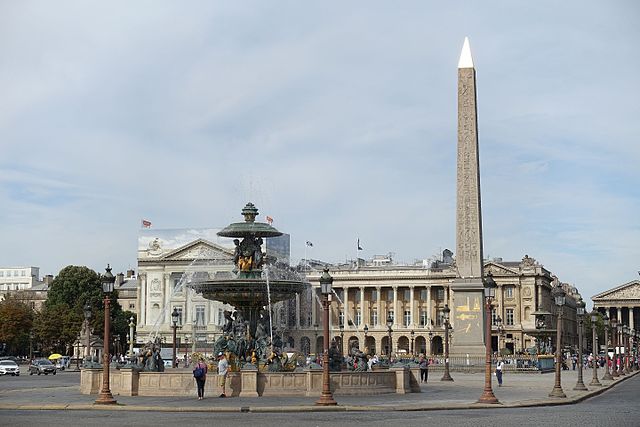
[269, 220]
[146, 223]
[309, 244]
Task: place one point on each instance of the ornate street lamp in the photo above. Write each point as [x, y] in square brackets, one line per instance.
[446, 377]
[174, 319]
[500, 330]
[30, 346]
[594, 341]
[326, 282]
[341, 326]
[580, 306]
[430, 342]
[625, 340]
[559, 296]
[366, 331]
[489, 293]
[389, 330]
[105, 397]
[620, 347]
[614, 338]
[412, 337]
[132, 324]
[87, 319]
[607, 373]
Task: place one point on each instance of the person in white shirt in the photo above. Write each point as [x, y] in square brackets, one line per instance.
[499, 367]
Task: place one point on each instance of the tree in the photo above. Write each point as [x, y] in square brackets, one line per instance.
[16, 319]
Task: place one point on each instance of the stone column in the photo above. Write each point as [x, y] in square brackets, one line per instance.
[379, 304]
[314, 309]
[345, 306]
[395, 307]
[363, 320]
[412, 323]
[429, 307]
[298, 311]
[631, 324]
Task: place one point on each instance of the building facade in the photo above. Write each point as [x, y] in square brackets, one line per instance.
[413, 298]
[621, 303]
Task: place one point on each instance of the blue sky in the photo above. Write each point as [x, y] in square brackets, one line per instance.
[338, 119]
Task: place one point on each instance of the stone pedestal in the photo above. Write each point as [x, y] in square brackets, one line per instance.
[403, 380]
[467, 318]
[249, 382]
[128, 382]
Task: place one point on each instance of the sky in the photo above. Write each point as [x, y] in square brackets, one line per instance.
[337, 119]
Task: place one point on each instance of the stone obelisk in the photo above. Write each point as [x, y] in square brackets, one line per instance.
[467, 311]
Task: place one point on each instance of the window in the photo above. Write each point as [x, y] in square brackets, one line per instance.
[374, 316]
[509, 316]
[407, 318]
[440, 294]
[179, 315]
[423, 317]
[341, 318]
[391, 314]
[374, 295]
[340, 295]
[423, 294]
[357, 297]
[508, 291]
[132, 306]
[200, 315]
[440, 317]
[358, 317]
[494, 317]
[407, 294]
[1, 273]
[390, 295]
[22, 273]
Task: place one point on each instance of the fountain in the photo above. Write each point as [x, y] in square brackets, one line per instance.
[249, 288]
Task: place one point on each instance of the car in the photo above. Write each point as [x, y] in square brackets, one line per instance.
[9, 367]
[42, 366]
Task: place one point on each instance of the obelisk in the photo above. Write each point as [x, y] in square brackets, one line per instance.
[467, 312]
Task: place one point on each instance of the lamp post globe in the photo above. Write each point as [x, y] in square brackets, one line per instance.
[489, 293]
[105, 397]
[559, 297]
[446, 376]
[580, 310]
[326, 283]
[366, 332]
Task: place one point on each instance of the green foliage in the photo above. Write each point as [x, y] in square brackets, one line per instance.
[56, 328]
[16, 319]
[75, 286]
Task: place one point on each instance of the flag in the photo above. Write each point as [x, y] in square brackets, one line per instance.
[269, 220]
[146, 223]
[309, 244]
[359, 247]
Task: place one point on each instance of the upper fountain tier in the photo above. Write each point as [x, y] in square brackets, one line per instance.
[249, 228]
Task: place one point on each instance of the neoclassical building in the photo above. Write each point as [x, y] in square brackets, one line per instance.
[414, 297]
[622, 303]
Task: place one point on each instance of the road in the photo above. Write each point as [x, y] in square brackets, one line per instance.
[619, 406]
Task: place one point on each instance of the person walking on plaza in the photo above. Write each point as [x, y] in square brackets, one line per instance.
[423, 363]
[499, 367]
[223, 368]
[200, 374]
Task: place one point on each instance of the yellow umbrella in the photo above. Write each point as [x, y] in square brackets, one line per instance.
[55, 356]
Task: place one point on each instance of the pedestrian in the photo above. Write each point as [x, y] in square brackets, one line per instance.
[200, 374]
[223, 368]
[423, 363]
[499, 367]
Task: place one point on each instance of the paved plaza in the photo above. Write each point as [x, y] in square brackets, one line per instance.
[62, 392]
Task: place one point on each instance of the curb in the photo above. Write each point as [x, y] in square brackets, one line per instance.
[312, 408]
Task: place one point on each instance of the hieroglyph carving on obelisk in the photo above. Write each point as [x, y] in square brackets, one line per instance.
[468, 212]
